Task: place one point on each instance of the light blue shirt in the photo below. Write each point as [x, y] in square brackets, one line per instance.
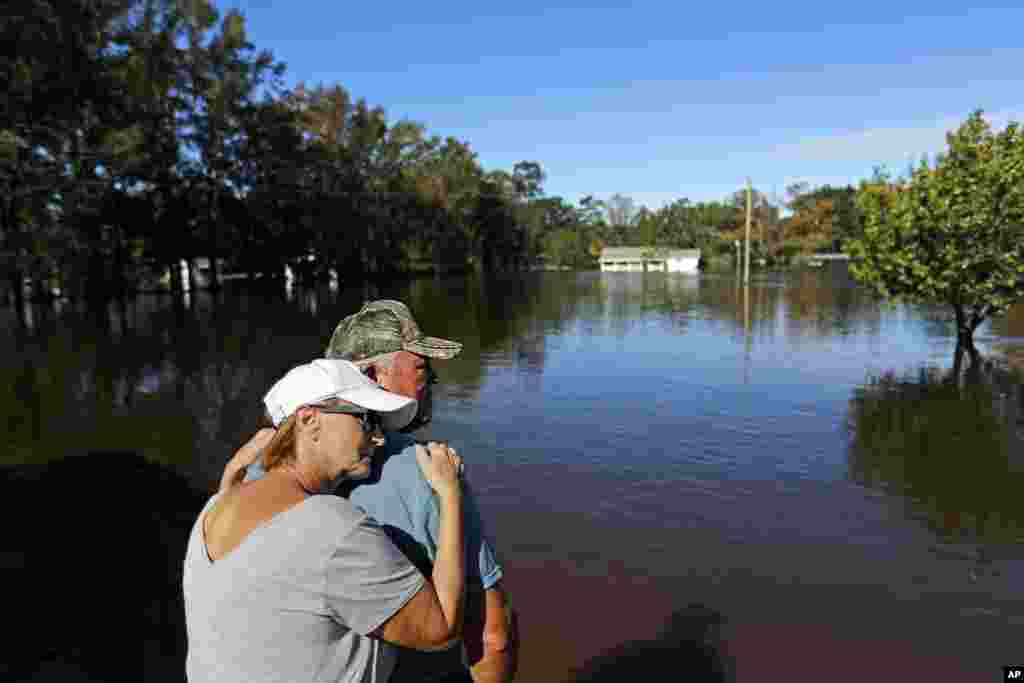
[398, 497]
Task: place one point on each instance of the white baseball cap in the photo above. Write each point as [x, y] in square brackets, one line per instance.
[324, 379]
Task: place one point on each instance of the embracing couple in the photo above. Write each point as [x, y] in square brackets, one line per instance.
[340, 549]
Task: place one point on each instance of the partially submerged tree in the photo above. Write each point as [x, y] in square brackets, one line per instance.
[952, 232]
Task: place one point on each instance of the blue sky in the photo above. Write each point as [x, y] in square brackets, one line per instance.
[663, 100]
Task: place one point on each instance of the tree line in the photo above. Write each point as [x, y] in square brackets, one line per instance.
[139, 134]
[806, 220]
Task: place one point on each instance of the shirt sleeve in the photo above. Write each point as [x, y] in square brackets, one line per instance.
[482, 563]
[480, 554]
[254, 470]
[367, 579]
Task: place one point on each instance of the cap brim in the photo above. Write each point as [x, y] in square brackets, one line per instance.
[434, 347]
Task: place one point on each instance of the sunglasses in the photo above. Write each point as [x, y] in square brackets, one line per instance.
[368, 420]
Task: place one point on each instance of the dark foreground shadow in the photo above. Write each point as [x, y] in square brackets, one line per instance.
[92, 557]
[689, 648]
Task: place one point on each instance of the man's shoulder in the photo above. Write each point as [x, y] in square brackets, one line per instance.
[400, 452]
[396, 442]
[398, 470]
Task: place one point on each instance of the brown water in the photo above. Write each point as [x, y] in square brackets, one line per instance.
[673, 468]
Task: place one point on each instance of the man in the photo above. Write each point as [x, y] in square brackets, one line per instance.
[384, 340]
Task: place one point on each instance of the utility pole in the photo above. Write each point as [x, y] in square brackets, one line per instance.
[746, 255]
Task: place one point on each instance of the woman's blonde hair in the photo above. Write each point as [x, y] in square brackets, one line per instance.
[281, 448]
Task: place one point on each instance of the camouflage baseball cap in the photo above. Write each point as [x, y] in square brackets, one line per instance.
[384, 326]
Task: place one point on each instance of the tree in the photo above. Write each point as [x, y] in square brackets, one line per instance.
[137, 133]
[529, 179]
[61, 96]
[764, 215]
[647, 224]
[223, 77]
[823, 218]
[679, 227]
[621, 210]
[952, 232]
[591, 211]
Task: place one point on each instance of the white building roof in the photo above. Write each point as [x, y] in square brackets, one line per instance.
[646, 253]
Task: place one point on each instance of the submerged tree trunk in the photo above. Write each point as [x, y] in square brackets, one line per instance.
[19, 296]
[965, 327]
[214, 284]
[120, 274]
[97, 289]
[174, 269]
[965, 341]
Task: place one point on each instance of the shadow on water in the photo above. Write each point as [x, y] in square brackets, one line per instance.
[688, 648]
[94, 547]
[948, 446]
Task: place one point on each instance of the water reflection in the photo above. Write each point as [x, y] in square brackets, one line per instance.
[689, 423]
[142, 378]
[950, 448]
[180, 381]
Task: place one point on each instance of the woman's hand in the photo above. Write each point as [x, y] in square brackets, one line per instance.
[250, 450]
[234, 471]
[441, 466]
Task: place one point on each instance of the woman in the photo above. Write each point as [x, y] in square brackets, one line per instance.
[282, 584]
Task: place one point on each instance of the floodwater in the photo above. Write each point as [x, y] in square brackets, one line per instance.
[682, 476]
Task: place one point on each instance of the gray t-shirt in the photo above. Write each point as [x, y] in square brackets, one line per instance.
[399, 498]
[295, 600]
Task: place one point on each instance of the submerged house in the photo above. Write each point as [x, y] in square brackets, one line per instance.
[643, 259]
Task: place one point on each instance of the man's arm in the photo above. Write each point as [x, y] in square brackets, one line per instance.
[491, 636]
[234, 471]
[490, 632]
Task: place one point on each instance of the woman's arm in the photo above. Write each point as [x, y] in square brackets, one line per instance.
[433, 618]
[234, 471]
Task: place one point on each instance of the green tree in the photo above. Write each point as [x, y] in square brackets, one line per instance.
[825, 217]
[147, 62]
[62, 97]
[764, 217]
[528, 177]
[621, 210]
[953, 232]
[224, 73]
[561, 246]
[679, 227]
